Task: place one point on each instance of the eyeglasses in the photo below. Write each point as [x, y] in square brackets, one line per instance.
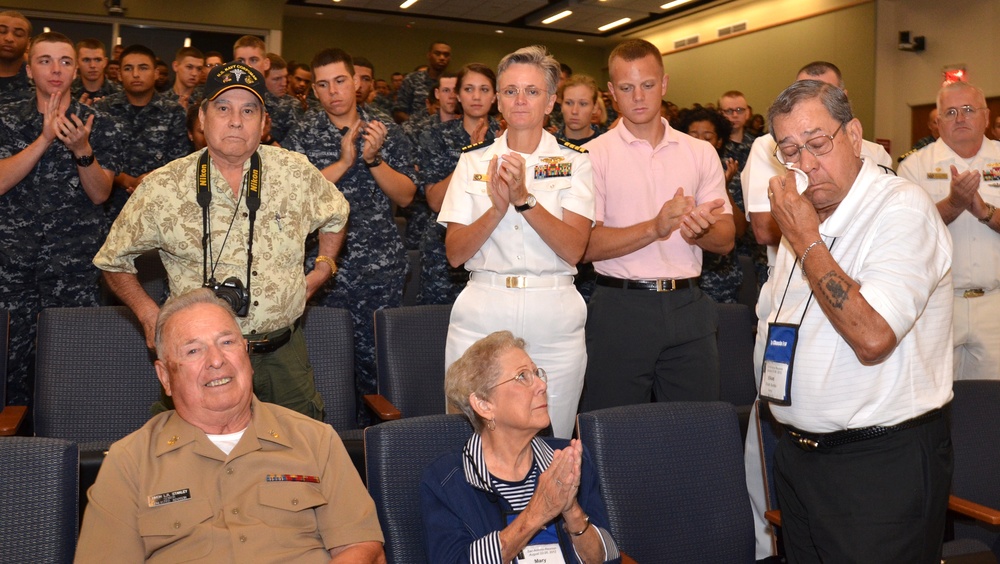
[525, 377]
[530, 92]
[967, 112]
[734, 111]
[818, 146]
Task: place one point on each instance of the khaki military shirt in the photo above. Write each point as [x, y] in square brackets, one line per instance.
[286, 493]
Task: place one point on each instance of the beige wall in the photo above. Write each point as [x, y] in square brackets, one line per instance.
[957, 33]
[394, 49]
[762, 63]
[266, 14]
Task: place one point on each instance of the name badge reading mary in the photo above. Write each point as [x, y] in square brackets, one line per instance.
[543, 548]
[779, 355]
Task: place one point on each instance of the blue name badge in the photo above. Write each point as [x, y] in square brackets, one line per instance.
[543, 547]
[779, 355]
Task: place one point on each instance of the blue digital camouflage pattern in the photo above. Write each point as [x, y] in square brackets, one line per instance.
[50, 231]
[372, 264]
[412, 95]
[438, 153]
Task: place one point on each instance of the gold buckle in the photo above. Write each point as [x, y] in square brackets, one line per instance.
[516, 282]
[662, 285]
[974, 293]
[804, 442]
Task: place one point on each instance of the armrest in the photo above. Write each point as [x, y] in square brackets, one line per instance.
[11, 418]
[382, 407]
[773, 517]
[974, 510]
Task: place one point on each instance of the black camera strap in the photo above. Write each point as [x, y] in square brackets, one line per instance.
[252, 182]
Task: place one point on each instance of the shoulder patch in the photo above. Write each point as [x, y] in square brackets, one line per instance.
[480, 145]
[570, 145]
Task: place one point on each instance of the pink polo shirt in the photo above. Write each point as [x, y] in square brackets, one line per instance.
[632, 180]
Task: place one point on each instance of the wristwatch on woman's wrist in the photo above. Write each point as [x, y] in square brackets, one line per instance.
[529, 203]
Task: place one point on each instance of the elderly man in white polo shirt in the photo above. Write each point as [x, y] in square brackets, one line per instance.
[854, 344]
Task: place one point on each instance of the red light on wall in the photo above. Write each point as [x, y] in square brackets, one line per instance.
[955, 75]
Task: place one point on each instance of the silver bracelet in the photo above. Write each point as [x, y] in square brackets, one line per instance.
[802, 259]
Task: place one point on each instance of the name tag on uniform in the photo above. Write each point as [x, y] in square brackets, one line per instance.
[480, 178]
[779, 355]
[169, 497]
[937, 175]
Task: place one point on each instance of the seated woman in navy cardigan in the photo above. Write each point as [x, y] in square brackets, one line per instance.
[508, 496]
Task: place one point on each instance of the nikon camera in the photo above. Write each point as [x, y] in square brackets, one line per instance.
[233, 293]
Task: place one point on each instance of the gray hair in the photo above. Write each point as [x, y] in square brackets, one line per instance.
[179, 303]
[477, 370]
[534, 55]
[960, 85]
[832, 97]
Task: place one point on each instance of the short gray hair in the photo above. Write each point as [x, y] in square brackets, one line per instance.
[832, 97]
[179, 303]
[960, 85]
[534, 55]
[477, 370]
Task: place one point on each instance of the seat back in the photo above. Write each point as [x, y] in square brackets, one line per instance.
[737, 335]
[39, 483]
[396, 453]
[673, 481]
[409, 353]
[94, 376]
[329, 334]
[975, 436]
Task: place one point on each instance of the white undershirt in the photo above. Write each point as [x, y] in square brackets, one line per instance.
[226, 443]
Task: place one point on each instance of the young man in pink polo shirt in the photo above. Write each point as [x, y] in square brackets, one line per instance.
[661, 200]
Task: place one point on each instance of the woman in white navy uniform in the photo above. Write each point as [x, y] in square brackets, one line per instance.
[519, 212]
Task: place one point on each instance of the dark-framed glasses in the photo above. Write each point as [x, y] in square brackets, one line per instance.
[967, 112]
[525, 377]
[788, 153]
[734, 111]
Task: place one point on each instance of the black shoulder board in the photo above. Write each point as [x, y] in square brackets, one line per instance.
[480, 145]
[906, 154]
[573, 146]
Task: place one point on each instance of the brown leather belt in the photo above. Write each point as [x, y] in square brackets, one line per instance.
[653, 285]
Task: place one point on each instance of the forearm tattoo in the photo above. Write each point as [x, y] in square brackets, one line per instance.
[836, 289]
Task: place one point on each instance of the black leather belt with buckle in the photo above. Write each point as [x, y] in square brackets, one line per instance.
[655, 285]
[269, 342]
[813, 441]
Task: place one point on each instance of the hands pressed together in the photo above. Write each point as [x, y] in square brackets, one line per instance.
[506, 181]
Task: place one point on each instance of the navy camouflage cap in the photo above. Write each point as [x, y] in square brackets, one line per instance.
[234, 75]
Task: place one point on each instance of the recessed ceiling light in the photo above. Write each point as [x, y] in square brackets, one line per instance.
[407, 4]
[580, 39]
[499, 31]
[673, 4]
[557, 17]
[319, 13]
[615, 23]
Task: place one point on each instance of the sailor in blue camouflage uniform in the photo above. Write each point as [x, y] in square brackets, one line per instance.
[63, 158]
[91, 61]
[438, 152]
[417, 85]
[15, 29]
[153, 125]
[372, 163]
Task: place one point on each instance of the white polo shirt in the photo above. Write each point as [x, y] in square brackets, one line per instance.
[887, 236]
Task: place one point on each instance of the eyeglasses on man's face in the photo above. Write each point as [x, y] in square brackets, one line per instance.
[788, 153]
[734, 111]
[951, 114]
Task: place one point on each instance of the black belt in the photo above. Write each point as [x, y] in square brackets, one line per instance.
[812, 441]
[655, 285]
[270, 342]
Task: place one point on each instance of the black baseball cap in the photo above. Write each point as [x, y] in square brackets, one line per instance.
[234, 75]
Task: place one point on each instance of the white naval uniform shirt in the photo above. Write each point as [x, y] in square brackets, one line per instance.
[977, 247]
[514, 247]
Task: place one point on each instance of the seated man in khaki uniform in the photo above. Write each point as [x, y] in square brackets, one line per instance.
[225, 477]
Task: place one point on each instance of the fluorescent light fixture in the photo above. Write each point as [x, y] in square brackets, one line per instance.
[407, 4]
[673, 4]
[615, 23]
[557, 17]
